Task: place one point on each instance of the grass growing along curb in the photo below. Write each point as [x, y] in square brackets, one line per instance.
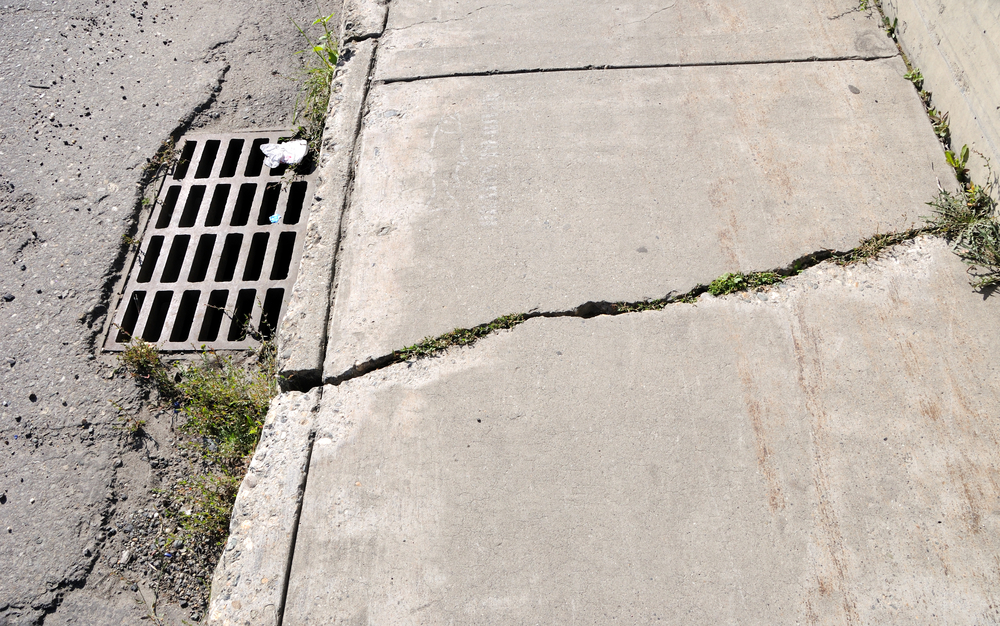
[225, 404]
[313, 99]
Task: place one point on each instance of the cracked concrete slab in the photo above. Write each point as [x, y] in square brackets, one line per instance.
[823, 451]
[441, 38]
[477, 197]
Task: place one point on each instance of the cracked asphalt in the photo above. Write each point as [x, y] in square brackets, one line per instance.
[90, 90]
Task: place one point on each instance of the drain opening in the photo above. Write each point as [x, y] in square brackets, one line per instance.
[256, 161]
[207, 158]
[150, 258]
[218, 206]
[191, 206]
[127, 326]
[202, 257]
[255, 258]
[157, 315]
[232, 160]
[172, 268]
[230, 257]
[187, 153]
[167, 208]
[213, 315]
[241, 314]
[296, 197]
[185, 316]
[212, 264]
[283, 256]
[270, 312]
[244, 203]
[269, 205]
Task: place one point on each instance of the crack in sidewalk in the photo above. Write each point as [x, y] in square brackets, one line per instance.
[641, 66]
[867, 249]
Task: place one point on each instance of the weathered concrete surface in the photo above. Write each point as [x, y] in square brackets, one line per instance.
[476, 197]
[302, 333]
[824, 452]
[442, 38]
[249, 584]
[362, 19]
[956, 45]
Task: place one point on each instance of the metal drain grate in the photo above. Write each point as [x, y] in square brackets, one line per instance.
[211, 260]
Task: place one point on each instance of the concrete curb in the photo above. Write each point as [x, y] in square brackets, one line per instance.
[302, 334]
[957, 53]
[249, 583]
[363, 19]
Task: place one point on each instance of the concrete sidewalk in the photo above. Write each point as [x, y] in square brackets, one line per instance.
[820, 451]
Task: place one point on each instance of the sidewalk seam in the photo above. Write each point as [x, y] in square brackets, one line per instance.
[589, 68]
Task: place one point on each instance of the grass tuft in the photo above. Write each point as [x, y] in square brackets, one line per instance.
[225, 404]
[731, 283]
[313, 100]
[969, 220]
[457, 337]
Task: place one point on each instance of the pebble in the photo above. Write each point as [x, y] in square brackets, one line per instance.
[117, 463]
[125, 558]
[8, 297]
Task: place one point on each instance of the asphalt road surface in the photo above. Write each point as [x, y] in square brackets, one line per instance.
[89, 91]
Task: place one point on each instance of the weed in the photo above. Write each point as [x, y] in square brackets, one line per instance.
[968, 218]
[225, 404]
[916, 77]
[164, 157]
[314, 93]
[864, 6]
[207, 501]
[457, 337]
[959, 162]
[939, 121]
[142, 360]
[873, 246]
[891, 28]
[129, 422]
[730, 283]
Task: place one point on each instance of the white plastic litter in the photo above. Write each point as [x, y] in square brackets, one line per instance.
[290, 152]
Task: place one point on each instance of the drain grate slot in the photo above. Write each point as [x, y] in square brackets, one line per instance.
[213, 264]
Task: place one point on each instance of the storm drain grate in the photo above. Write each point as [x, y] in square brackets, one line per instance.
[212, 260]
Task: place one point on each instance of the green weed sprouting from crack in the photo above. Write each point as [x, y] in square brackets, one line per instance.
[457, 337]
[869, 249]
[969, 220]
[739, 281]
[313, 99]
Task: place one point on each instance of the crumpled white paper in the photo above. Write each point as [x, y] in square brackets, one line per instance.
[290, 152]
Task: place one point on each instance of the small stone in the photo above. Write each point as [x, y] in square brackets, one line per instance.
[9, 529]
[125, 558]
[117, 463]
[134, 587]
[31, 501]
[8, 297]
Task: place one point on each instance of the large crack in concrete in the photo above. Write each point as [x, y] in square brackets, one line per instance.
[868, 249]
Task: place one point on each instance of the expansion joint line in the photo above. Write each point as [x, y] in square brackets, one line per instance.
[598, 68]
